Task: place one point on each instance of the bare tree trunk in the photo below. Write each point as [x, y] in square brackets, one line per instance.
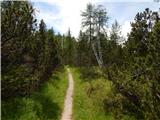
[96, 55]
[99, 46]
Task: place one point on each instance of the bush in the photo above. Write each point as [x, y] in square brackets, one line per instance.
[90, 73]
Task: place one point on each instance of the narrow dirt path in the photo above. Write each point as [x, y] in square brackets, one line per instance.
[67, 111]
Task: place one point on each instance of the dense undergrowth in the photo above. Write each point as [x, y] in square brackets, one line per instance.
[91, 94]
[45, 104]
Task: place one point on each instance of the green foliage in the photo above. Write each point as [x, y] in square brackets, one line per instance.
[94, 21]
[85, 56]
[133, 68]
[90, 73]
[23, 69]
[88, 103]
[17, 26]
[136, 79]
[69, 49]
[29, 55]
[45, 104]
[90, 99]
[115, 33]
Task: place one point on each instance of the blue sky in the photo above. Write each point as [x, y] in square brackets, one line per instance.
[65, 14]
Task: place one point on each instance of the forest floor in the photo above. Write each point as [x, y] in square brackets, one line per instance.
[67, 112]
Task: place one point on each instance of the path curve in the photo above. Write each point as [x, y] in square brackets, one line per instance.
[67, 111]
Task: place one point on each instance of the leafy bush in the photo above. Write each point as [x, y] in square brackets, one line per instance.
[90, 73]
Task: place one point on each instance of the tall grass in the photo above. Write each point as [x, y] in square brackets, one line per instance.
[45, 104]
[90, 95]
[88, 98]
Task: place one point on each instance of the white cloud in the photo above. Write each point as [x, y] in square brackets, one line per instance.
[69, 14]
[126, 28]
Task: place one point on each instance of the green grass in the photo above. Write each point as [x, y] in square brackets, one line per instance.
[88, 104]
[89, 96]
[45, 104]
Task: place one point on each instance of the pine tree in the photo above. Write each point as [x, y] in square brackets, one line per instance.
[94, 19]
